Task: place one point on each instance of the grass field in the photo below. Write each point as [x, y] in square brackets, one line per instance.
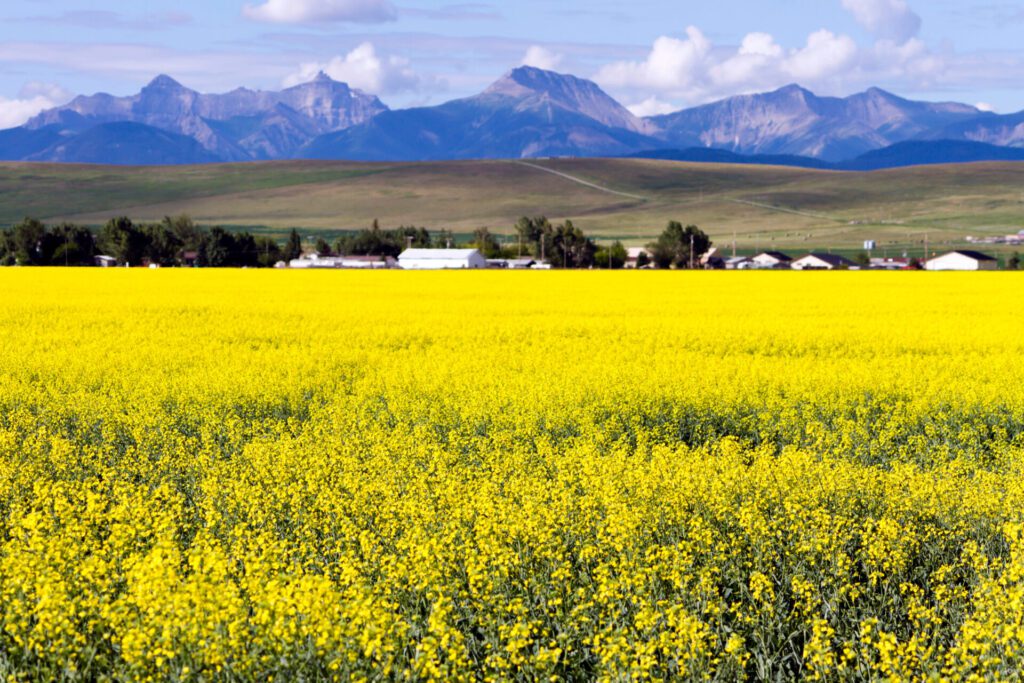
[631, 200]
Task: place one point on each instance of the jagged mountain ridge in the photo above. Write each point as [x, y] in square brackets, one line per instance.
[529, 112]
[237, 126]
[795, 121]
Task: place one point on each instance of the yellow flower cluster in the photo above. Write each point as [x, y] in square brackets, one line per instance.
[491, 476]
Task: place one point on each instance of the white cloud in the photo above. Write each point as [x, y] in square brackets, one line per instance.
[311, 11]
[984, 106]
[887, 19]
[364, 69]
[691, 70]
[826, 55]
[672, 65]
[652, 106]
[542, 58]
[33, 98]
[694, 70]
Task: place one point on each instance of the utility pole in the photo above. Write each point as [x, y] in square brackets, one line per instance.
[691, 251]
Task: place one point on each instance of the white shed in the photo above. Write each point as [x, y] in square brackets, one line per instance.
[771, 259]
[441, 259]
[962, 260]
[818, 261]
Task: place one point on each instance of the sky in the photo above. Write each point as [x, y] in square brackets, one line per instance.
[654, 56]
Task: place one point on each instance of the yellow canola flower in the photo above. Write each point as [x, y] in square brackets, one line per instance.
[492, 476]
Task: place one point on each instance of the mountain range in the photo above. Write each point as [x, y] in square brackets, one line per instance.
[527, 113]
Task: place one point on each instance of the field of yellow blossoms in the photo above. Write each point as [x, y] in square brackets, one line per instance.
[510, 476]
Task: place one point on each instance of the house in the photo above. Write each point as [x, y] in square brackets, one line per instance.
[511, 263]
[441, 259]
[367, 262]
[738, 263]
[819, 261]
[767, 260]
[962, 260]
[316, 261]
[637, 257]
[104, 261]
[880, 263]
[521, 263]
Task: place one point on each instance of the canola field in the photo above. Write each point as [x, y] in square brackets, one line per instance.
[283, 476]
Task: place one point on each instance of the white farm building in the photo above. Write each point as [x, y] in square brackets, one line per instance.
[441, 259]
[962, 260]
[821, 262]
[771, 259]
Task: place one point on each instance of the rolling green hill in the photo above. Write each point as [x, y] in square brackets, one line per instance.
[762, 206]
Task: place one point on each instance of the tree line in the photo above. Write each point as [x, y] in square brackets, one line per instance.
[179, 241]
[566, 246]
[174, 241]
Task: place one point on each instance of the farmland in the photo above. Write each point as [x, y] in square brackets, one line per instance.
[489, 476]
[622, 199]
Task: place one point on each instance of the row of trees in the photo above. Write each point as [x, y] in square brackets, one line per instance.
[180, 241]
[565, 246]
[375, 241]
[171, 242]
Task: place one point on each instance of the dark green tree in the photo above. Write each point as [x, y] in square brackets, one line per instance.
[246, 252]
[185, 230]
[612, 256]
[27, 241]
[679, 247]
[227, 250]
[322, 247]
[293, 249]
[122, 240]
[268, 252]
[418, 238]
[486, 243]
[1014, 262]
[162, 245]
[6, 248]
[536, 236]
[570, 247]
[74, 245]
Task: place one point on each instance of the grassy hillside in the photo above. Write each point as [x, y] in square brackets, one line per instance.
[621, 198]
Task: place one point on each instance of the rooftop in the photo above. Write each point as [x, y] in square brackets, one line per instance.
[976, 255]
[437, 253]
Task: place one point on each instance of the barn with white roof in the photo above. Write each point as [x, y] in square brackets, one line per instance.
[962, 259]
[441, 259]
